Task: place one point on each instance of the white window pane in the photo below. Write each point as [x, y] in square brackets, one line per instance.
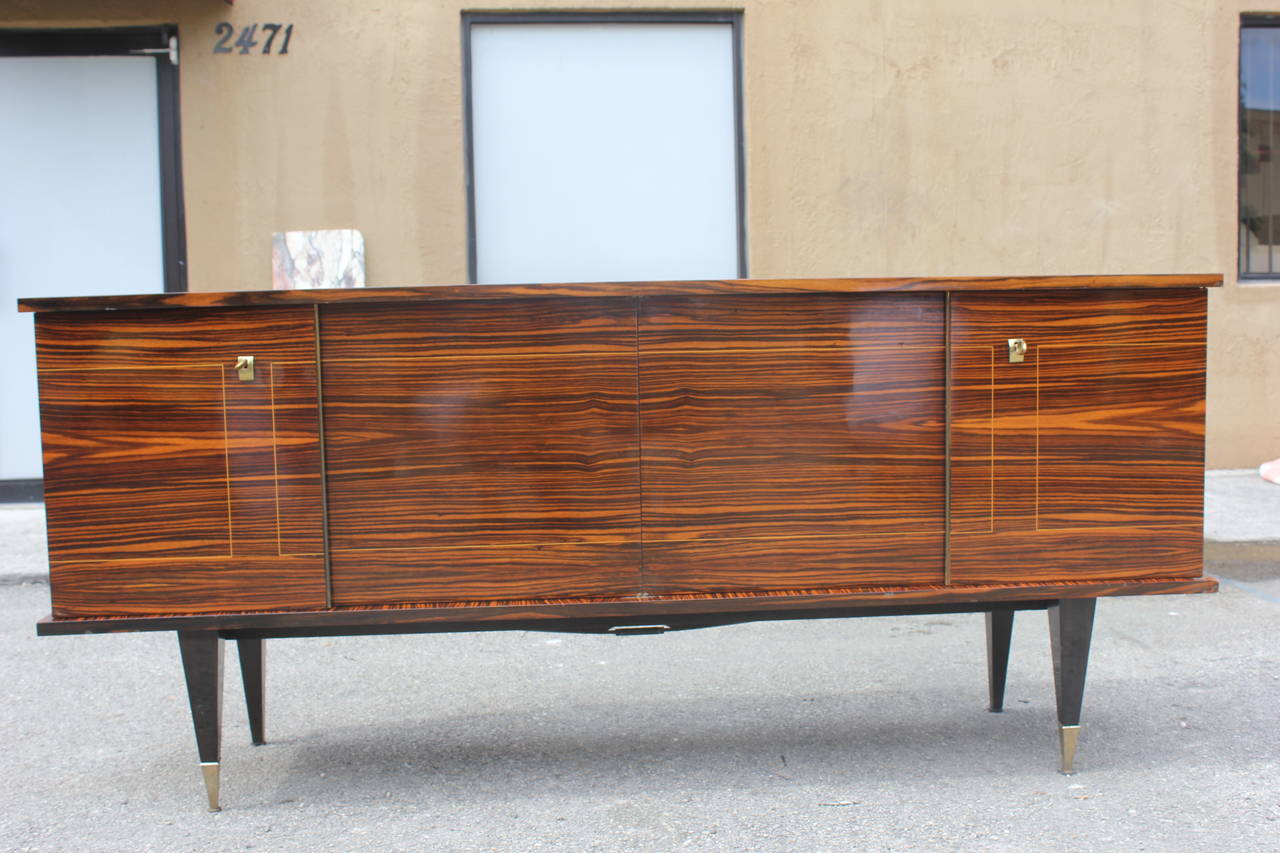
[604, 152]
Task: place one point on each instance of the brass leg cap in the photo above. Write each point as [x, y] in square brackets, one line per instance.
[211, 782]
[1068, 737]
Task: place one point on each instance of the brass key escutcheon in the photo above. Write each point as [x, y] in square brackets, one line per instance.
[244, 368]
[1017, 350]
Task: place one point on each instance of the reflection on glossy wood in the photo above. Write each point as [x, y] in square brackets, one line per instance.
[791, 441]
[481, 452]
[865, 322]
[1086, 460]
[500, 462]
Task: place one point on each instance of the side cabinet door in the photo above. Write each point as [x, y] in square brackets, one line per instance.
[1086, 459]
[171, 484]
[792, 442]
[482, 451]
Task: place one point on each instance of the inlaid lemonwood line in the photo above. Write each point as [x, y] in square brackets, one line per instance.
[226, 452]
[991, 515]
[946, 440]
[324, 452]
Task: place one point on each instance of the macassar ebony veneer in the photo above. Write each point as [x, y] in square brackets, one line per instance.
[623, 458]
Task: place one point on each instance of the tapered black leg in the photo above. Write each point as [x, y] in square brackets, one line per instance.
[202, 665]
[1070, 629]
[999, 633]
[253, 671]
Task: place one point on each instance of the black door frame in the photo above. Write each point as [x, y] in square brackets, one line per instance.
[159, 42]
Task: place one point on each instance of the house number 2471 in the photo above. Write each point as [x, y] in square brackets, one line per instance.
[250, 37]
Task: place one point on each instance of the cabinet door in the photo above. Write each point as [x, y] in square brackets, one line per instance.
[171, 485]
[1085, 460]
[792, 442]
[482, 450]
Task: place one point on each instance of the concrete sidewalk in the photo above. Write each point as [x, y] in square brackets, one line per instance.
[24, 551]
[1239, 507]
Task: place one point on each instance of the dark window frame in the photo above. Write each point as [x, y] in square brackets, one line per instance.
[734, 19]
[1247, 21]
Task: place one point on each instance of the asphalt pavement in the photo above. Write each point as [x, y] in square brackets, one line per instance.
[828, 735]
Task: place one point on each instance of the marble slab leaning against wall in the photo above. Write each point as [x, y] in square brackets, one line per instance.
[306, 260]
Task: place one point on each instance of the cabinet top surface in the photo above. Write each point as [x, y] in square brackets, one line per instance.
[441, 293]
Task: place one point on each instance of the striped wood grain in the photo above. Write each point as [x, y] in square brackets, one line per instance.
[791, 441]
[779, 444]
[482, 453]
[517, 327]
[1086, 460]
[169, 483]
[598, 290]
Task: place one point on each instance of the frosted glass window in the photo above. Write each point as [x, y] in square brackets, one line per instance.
[604, 151]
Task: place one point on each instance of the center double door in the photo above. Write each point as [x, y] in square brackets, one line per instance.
[570, 448]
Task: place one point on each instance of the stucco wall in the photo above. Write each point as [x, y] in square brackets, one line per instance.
[884, 137]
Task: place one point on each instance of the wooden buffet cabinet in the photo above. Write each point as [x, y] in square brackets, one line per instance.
[630, 458]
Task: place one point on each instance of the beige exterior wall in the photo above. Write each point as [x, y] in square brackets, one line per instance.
[884, 137]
